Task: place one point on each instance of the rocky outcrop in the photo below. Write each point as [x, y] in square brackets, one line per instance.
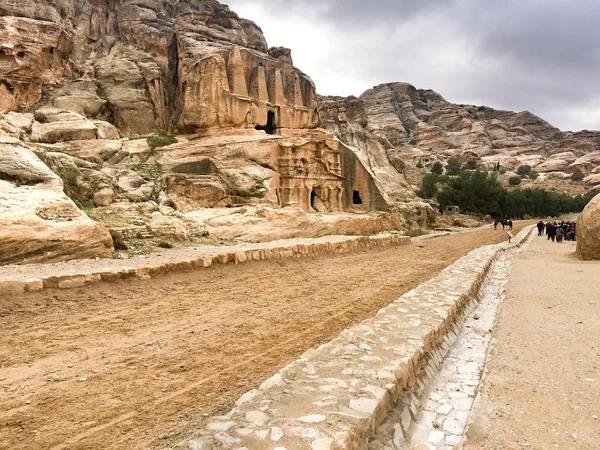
[349, 120]
[38, 222]
[588, 231]
[148, 65]
[396, 125]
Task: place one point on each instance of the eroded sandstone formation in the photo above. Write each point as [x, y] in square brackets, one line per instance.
[149, 65]
[38, 222]
[396, 125]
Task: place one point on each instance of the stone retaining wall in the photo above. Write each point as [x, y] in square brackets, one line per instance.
[66, 276]
[335, 396]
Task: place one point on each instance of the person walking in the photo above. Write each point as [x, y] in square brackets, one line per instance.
[540, 227]
[560, 234]
[552, 231]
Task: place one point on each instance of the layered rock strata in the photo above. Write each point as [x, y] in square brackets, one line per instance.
[38, 222]
[149, 65]
[396, 125]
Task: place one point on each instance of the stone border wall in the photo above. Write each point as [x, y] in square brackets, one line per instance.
[335, 396]
[72, 276]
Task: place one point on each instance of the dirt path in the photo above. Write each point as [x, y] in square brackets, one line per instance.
[139, 364]
[543, 383]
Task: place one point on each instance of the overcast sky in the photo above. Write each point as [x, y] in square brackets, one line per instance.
[536, 55]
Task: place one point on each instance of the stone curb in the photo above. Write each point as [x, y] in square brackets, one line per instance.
[13, 284]
[334, 396]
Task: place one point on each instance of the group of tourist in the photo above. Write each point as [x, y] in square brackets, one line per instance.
[558, 231]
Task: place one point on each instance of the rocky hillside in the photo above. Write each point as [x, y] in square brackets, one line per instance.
[397, 126]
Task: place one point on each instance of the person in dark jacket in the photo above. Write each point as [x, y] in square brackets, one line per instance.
[540, 227]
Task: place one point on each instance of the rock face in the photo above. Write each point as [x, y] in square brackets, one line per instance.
[148, 65]
[38, 222]
[588, 231]
[396, 125]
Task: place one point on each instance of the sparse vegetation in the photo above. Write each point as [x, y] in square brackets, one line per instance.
[524, 170]
[419, 165]
[453, 167]
[429, 186]
[164, 244]
[437, 168]
[471, 165]
[147, 171]
[118, 242]
[577, 176]
[514, 181]
[160, 141]
[534, 175]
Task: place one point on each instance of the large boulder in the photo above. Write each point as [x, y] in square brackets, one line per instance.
[38, 222]
[588, 231]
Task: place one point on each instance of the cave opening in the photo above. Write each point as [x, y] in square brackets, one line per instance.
[313, 196]
[270, 127]
[356, 200]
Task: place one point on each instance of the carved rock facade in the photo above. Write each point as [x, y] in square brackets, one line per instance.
[149, 65]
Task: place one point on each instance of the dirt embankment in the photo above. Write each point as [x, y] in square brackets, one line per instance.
[140, 364]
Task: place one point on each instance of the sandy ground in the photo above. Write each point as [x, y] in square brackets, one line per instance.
[141, 364]
[543, 383]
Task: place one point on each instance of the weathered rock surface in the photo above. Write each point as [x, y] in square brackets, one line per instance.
[38, 222]
[588, 230]
[146, 66]
[396, 125]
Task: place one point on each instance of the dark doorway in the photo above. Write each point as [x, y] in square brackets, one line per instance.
[356, 200]
[313, 195]
[269, 128]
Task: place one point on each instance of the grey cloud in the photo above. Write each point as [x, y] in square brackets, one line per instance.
[539, 55]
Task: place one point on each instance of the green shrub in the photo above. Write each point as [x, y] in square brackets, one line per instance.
[514, 181]
[163, 244]
[453, 166]
[419, 165]
[429, 186]
[534, 175]
[577, 176]
[471, 165]
[524, 170]
[437, 168]
[160, 141]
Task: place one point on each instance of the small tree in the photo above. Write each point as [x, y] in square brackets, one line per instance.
[428, 186]
[514, 181]
[471, 165]
[534, 175]
[437, 168]
[577, 176]
[419, 165]
[524, 170]
[453, 167]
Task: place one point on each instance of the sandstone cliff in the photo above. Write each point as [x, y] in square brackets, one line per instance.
[397, 125]
[148, 65]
